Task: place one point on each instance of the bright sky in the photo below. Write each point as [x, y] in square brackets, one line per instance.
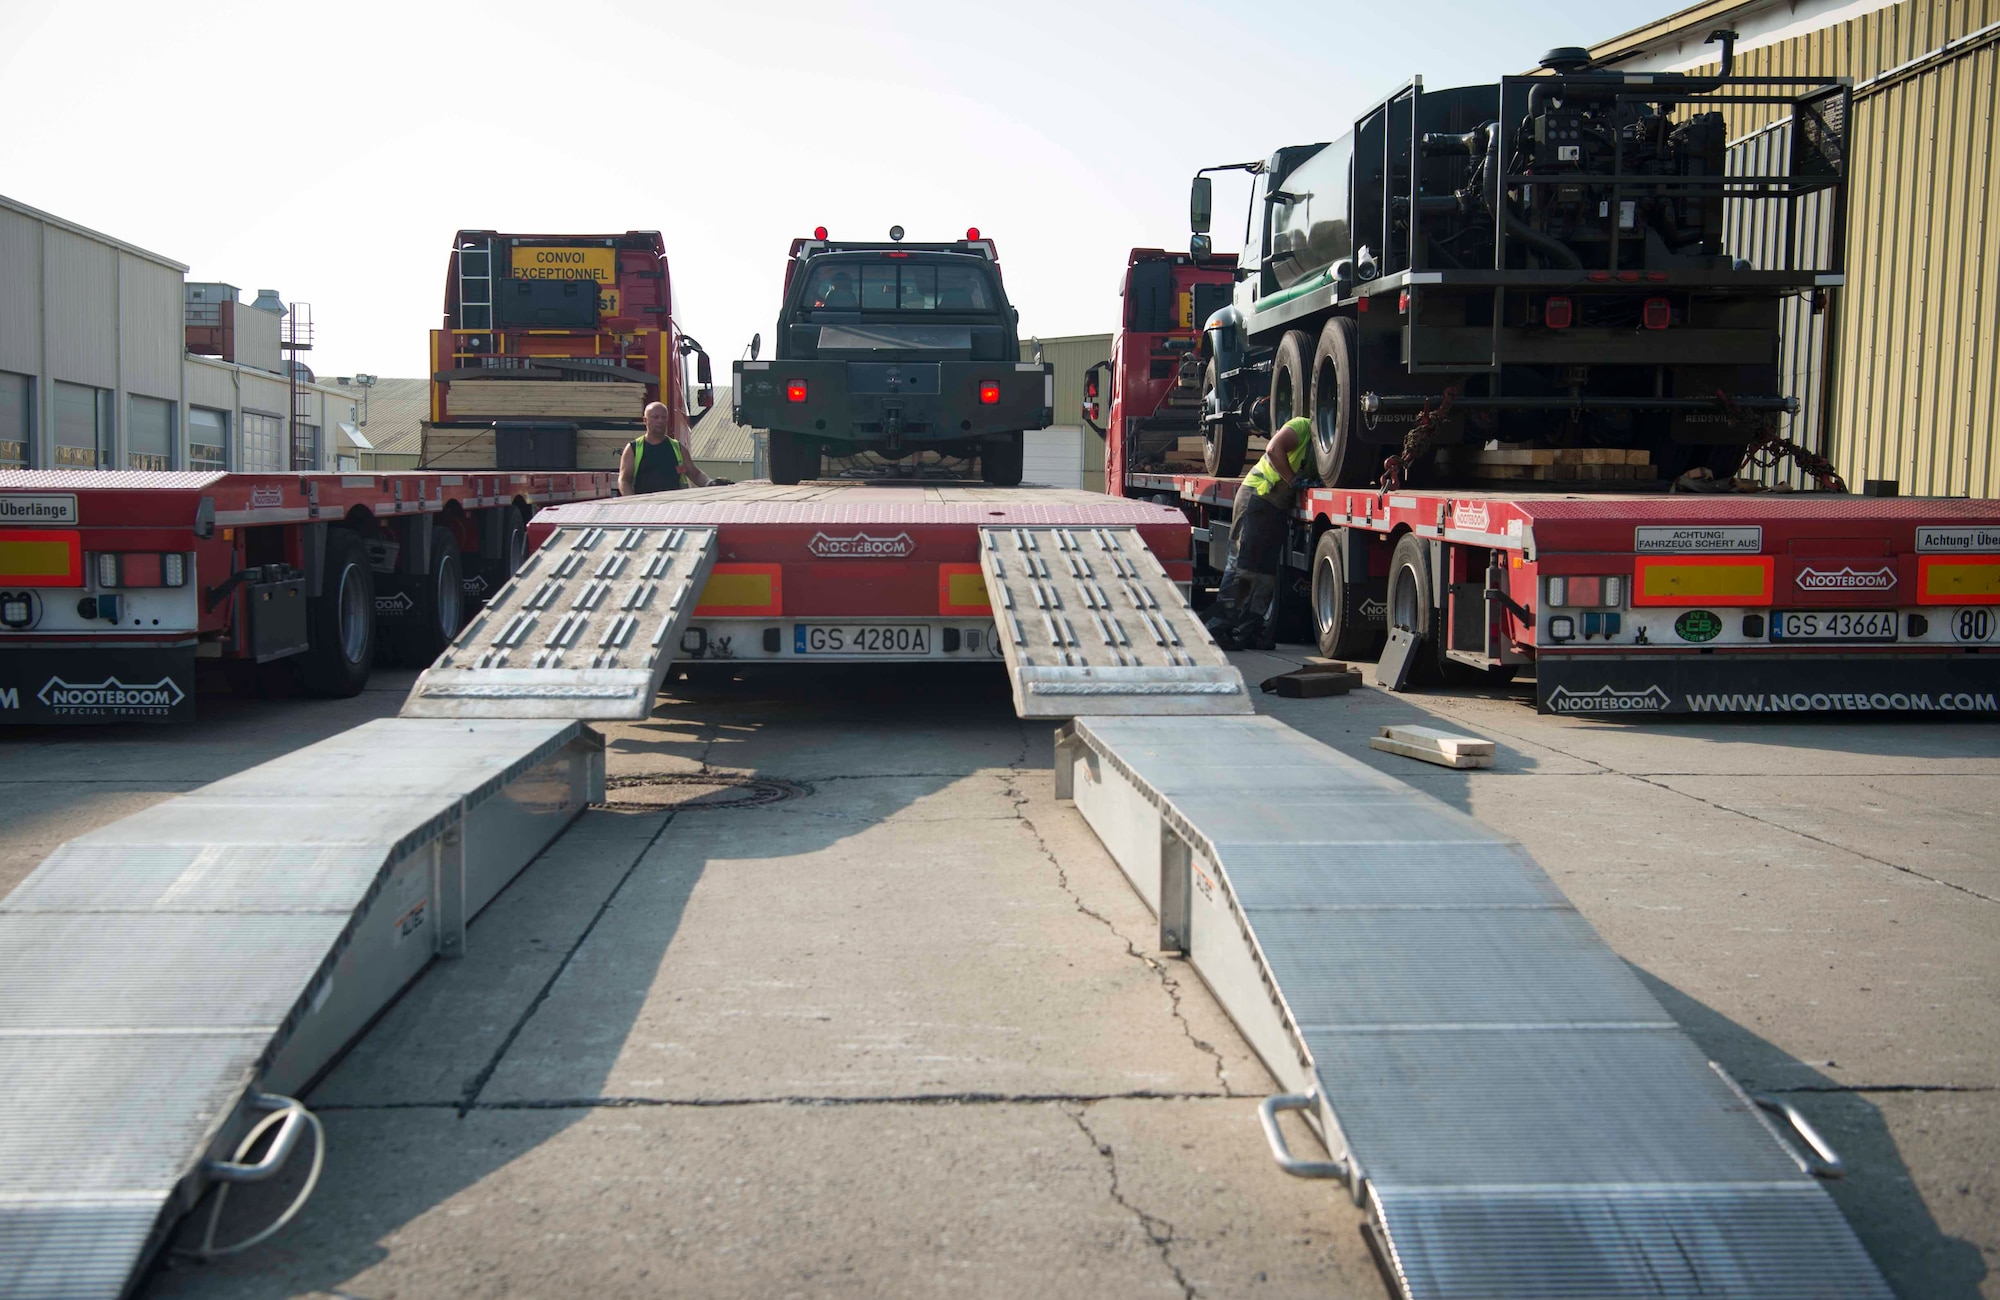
[330, 151]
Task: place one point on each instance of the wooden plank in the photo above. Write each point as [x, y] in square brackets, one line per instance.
[503, 399]
[1444, 748]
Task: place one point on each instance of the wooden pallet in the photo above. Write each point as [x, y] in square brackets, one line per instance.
[543, 399]
[473, 448]
[1548, 464]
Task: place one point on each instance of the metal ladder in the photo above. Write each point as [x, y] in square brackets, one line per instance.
[475, 292]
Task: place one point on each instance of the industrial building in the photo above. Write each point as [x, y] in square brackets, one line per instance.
[111, 359]
[1066, 454]
[1906, 392]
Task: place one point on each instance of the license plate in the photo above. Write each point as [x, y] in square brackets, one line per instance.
[888, 640]
[1834, 625]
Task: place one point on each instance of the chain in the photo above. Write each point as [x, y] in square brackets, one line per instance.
[1418, 441]
[1770, 447]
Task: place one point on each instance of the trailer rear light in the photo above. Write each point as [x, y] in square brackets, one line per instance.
[1403, 302]
[1628, 277]
[173, 570]
[989, 393]
[1659, 313]
[1658, 277]
[1599, 277]
[1557, 312]
[795, 390]
[1562, 628]
[115, 569]
[17, 609]
[107, 570]
[1585, 592]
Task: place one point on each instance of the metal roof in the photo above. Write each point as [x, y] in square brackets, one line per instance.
[718, 437]
[396, 410]
[75, 229]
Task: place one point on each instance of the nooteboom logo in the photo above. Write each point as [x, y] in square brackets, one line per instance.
[1374, 611]
[266, 498]
[861, 546]
[1471, 516]
[396, 604]
[111, 694]
[1609, 699]
[1847, 578]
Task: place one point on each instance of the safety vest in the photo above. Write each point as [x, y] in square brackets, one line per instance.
[1265, 477]
[639, 457]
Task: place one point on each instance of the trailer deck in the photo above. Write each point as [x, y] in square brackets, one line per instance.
[1609, 1214]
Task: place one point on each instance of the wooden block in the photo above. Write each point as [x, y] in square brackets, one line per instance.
[516, 399]
[1304, 685]
[1316, 664]
[1445, 748]
[1190, 445]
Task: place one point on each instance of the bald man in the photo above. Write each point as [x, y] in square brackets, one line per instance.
[658, 462]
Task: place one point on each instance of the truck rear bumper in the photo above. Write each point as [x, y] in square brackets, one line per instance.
[1639, 685]
[936, 402]
[80, 683]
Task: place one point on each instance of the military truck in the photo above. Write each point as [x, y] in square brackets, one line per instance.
[894, 348]
[1549, 261]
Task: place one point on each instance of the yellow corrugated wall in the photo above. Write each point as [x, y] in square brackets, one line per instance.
[1915, 353]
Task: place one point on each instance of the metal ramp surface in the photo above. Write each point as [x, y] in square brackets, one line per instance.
[1519, 1114]
[167, 979]
[1090, 623]
[587, 628]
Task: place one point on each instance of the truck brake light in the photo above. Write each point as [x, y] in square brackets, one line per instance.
[1659, 314]
[1557, 312]
[1583, 592]
[795, 390]
[989, 393]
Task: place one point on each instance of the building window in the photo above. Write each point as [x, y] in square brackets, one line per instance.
[17, 420]
[208, 439]
[263, 443]
[85, 420]
[305, 445]
[149, 433]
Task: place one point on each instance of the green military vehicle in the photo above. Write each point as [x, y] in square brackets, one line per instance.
[894, 348]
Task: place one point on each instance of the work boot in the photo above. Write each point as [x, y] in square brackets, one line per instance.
[1257, 625]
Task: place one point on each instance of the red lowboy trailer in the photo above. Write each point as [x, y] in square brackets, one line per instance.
[1641, 603]
[113, 585]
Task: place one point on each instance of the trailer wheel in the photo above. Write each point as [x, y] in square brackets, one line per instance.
[1413, 606]
[340, 624]
[1339, 455]
[433, 623]
[1343, 630]
[793, 458]
[1223, 448]
[1291, 394]
[1000, 460]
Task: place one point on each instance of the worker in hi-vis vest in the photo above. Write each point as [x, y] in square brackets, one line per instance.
[1246, 605]
[658, 462]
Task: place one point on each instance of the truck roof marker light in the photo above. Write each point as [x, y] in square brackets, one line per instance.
[1557, 312]
[795, 390]
[1658, 277]
[1659, 314]
[1599, 277]
[819, 232]
[1628, 277]
[972, 232]
[989, 393]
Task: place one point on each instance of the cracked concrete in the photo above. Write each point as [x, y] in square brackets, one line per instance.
[1158, 1230]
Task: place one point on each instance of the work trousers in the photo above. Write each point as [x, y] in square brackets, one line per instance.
[1246, 606]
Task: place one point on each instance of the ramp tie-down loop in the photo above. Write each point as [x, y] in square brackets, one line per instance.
[292, 1118]
[1267, 1112]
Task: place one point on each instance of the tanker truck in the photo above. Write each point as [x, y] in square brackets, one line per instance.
[1544, 262]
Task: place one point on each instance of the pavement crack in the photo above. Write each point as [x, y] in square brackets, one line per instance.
[1160, 970]
[831, 1101]
[477, 1084]
[1158, 1230]
[1837, 1088]
[1816, 839]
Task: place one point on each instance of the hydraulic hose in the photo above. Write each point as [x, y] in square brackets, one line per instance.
[1550, 248]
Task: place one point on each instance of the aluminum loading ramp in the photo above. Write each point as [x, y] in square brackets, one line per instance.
[1521, 1117]
[167, 979]
[1090, 622]
[587, 628]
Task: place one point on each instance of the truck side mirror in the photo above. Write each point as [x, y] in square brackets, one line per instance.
[1199, 247]
[1201, 204]
[756, 345]
[704, 376]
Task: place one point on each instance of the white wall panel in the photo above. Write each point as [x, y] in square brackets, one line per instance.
[82, 309]
[150, 312]
[20, 293]
[1053, 457]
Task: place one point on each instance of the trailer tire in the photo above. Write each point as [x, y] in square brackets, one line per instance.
[1001, 459]
[340, 622]
[793, 458]
[1291, 390]
[434, 621]
[1341, 628]
[1339, 454]
[1226, 443]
